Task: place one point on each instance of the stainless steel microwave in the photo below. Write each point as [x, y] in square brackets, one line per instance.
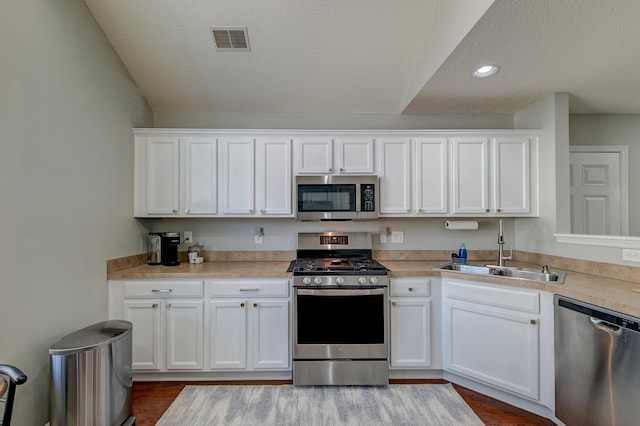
[339, 197]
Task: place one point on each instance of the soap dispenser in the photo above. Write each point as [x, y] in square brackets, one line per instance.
[462, 254]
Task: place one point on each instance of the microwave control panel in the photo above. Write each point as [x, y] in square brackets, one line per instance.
[368, 197]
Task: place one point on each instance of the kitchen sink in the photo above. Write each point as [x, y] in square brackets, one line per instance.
[504, 271]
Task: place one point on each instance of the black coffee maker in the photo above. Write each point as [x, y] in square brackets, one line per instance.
[170, 241]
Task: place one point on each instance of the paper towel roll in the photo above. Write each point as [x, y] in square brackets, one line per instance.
[461, 224]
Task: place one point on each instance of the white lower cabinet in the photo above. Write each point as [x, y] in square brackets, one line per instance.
[410, 323]
[168, 324]
[249, 324]
[492, 334]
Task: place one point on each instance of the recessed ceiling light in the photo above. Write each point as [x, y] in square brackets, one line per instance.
[486, 71]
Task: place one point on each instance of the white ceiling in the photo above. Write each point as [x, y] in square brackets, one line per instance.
[379, 56]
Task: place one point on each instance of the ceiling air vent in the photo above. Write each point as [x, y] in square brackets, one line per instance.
[231, 38]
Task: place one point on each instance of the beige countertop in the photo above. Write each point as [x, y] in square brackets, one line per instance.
[613, 294]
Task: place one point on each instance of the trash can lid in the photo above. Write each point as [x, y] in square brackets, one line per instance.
[91, 337]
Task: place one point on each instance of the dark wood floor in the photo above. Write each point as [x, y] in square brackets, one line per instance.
[151, 399]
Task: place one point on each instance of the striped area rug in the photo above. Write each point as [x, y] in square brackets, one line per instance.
[319, 405]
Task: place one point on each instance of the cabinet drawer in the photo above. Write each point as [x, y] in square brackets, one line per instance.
[520, 300]
[250, 288]
[163, 289]
[410, 287]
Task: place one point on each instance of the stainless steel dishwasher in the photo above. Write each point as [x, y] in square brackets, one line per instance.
[597, 365]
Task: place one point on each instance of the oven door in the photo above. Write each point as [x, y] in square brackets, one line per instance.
[340, 323]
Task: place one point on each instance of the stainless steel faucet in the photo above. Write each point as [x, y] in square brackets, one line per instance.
[501, 256]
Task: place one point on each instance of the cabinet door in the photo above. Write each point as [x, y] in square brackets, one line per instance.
[199, 173]
[163, 176]
[270, 334]
[145, 317]
[313, 155]
[511, 193]
[478, 340]
[185, 335]
[470, 185]
[395, 176]
[228, 334]
[355, 155]
[273, 176]
[431, 176]
[410, 333]
[238, 176]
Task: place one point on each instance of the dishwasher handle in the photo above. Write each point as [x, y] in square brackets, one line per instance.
[605, 326]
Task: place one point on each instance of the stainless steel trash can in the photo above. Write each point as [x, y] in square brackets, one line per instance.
[91, 376]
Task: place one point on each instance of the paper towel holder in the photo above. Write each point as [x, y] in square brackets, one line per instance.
[462, 225]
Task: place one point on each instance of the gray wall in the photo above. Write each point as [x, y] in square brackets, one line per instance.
[608, 130]
[67, 106]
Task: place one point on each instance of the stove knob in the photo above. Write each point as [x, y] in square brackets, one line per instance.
[306, 281]
[362, 280]
[339, 280]
[317, 280]
[373, 280]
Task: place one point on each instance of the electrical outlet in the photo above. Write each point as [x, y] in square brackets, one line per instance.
[383, 238]
[257, 239]
[258, 234]
[397, 237]
[188, 237]
[631, 255]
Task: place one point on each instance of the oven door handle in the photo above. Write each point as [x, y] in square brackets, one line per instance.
[342, 292]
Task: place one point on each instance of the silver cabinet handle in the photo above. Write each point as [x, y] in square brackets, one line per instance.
[186, 210]
[161, 290]
[175, 211]
[250, 289]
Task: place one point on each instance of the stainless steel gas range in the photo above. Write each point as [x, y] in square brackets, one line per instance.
[340, 311]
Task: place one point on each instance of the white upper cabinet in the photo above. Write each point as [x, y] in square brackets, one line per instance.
[355, 155]
[512, 175]
[175, 176]
[495, 176]
[238, 176]
[256, 176]
[334, 155]
[199, 172]
[395, 176]
[273, 176]
[431, 176]
[414, 176]
[470, 176]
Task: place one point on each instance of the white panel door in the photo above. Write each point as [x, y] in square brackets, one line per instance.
[597, 198]
[395, 176]
[313, 155]
[185, 335]
[355, 155]
[478, 338]
[431, 176]
[145, 317]
[228, 334]
[273, 176]
[238, 176]
[511, 186]
[199, 176]
[270, 334]
[163, 176]
[410, 333]
[470, 174]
